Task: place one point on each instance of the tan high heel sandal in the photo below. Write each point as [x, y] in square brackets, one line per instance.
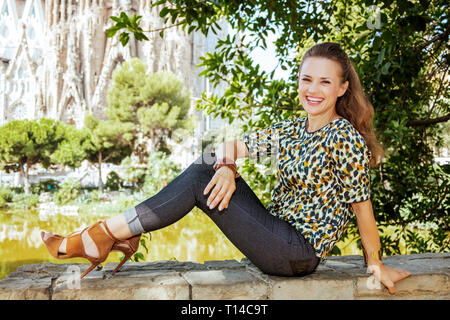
[104, 241]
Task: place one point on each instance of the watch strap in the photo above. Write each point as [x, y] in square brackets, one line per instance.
[226, 162]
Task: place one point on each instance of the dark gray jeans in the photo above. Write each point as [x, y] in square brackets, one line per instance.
[272, 244]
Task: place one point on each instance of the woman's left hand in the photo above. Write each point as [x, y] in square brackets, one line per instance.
[388, 276]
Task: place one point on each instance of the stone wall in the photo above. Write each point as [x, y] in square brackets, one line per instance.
[338, 278]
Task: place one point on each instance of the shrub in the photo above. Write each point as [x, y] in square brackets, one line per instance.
[88, 196]
[6, 193]
[68, 191]
[153, 176]
[113, 181]
[2, 202]
[22, 200]
[160, 172]
[49, 185]
[17, 189]
[133, 172]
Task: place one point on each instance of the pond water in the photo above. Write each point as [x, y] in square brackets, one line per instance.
[193, 238]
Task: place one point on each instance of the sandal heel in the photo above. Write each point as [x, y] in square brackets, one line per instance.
[89, 269]
[127, 247]
[128, 256]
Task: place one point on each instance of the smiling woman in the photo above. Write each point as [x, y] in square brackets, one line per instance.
[323, 178]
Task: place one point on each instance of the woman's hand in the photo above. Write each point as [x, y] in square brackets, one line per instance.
[223, 190]
[388, 276]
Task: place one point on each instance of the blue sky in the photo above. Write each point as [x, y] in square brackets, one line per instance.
[267, 59]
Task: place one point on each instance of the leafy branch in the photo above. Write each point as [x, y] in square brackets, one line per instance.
[127, 23]
[188, 10]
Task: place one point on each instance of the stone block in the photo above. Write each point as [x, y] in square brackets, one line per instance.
[47, 268]
[225, 264]
[225, 285]
[138, 286]
[321, 285]
[23, 288]
[152, 266]
[415, 286]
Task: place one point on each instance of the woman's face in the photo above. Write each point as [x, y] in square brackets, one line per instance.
[320, 84]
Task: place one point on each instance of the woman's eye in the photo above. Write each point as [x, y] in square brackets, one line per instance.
[305, 79]
[326, 82]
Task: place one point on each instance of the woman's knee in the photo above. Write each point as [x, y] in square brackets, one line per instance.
[205, 162]
[304, 267]
[206, 159]
[290, 268]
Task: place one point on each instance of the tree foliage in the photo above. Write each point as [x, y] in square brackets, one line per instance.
[160, 171]
[154, 104]
[110, 141]
[25, 143]
[72, 149]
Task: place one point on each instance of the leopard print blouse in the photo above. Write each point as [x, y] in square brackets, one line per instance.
[319, 175]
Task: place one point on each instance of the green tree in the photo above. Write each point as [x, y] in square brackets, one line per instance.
[160, 171]
[400, 49]
[156, 104]
[110, 142]
[133, 172]
[72, 149]
[25, 143]
[149, 178]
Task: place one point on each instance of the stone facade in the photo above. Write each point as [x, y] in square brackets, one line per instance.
[338, 278]
[56, 60]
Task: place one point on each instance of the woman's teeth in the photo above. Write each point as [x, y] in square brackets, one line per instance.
[314, 101]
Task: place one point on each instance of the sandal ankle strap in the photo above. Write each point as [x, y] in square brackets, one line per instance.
[108, 232]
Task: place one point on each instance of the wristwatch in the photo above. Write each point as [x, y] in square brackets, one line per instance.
[226, 162]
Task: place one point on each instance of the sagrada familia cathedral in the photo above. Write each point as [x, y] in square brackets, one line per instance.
[56, 61]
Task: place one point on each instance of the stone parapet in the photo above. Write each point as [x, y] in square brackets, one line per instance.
[343, 277]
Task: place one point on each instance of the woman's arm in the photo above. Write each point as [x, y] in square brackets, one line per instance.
[371, 242]
[233, 149]
[368, 230]
[223, 180]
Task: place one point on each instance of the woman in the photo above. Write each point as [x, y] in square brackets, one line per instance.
[323, 178]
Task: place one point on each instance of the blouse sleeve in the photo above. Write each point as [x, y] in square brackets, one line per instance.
[351, 157]
[263, 143]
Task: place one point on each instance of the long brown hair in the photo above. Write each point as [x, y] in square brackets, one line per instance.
[353, 105]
